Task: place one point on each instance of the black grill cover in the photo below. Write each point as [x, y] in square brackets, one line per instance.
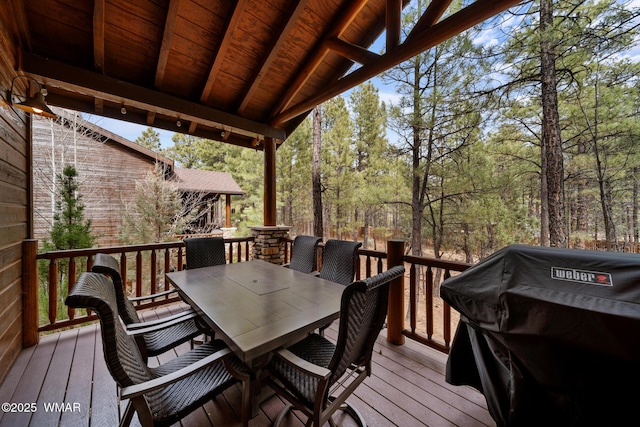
[550, 336]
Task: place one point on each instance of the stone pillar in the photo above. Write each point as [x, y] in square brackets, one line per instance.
[268, 244]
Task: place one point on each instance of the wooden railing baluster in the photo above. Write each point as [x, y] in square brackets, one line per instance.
[428, 296]
[53, 291]
[167, 266]
[413, 301]
[139, 274]
[154, 273]
[446, 328]
[71, 280]
[123, 271]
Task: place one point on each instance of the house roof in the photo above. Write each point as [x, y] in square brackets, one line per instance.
[197, 180]
[233, 71]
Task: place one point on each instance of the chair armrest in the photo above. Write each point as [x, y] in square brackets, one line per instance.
[183, 315]
[303, 365]
[156, 295]
[161, 382]
[153, 326]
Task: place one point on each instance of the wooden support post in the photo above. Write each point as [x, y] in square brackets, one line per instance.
[30, 335]
[269, 182]
[395, 314]
[227, 216]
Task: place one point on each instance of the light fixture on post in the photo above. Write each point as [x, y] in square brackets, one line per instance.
[33, 104]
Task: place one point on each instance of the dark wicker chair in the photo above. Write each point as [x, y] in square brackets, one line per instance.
[165, 394]
[339, 261]
[159, 335]
[310, 371]
[204, 252]
[303, 253]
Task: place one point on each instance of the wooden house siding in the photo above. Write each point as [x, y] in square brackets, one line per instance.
[107, 175]
[14, 203]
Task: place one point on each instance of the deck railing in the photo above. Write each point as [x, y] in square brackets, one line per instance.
[430, 319]
[426, 318]
[437, 319]
[49, 276]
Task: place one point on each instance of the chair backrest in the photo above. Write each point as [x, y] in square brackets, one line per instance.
[339, 261]
[205, 252]
[122, 356]
[303, 253]
[363, 310]
[109, 266]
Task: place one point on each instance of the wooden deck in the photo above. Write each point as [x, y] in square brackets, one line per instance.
[67, 369]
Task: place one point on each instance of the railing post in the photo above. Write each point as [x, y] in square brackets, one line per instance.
[30, 321]
[395, 314]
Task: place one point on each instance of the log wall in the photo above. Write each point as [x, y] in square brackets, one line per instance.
[15, 221]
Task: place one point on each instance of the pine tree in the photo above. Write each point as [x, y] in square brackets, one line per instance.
[149, 139]
[70, 230]
[372, 167]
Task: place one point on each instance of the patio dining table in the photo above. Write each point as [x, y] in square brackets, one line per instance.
[257, 307]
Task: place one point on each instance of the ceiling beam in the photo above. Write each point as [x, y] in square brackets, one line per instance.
[289, 23]
[434, 12]
[453, 25]
[17, 19]
[56, 74]
[133, 117]
[98, 35]
[167, 39]
[393, 23]
[219, 55]
[318, 54]
[223, 47]
[351, 51]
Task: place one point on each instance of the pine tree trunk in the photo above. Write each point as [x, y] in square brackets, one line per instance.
[318, 229]
[634, 217]
[551, 139]
[582, 213]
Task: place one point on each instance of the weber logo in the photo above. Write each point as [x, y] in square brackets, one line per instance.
[581, 276]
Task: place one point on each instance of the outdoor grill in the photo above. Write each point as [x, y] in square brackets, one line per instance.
[549, 336]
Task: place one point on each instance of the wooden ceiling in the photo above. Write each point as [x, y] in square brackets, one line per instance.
[233, 71]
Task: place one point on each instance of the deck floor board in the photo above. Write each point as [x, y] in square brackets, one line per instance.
[407, 387]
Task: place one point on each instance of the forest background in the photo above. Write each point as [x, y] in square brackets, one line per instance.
[523, 129]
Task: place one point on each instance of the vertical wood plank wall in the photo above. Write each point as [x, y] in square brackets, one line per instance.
[14, 203]
[107, 175]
